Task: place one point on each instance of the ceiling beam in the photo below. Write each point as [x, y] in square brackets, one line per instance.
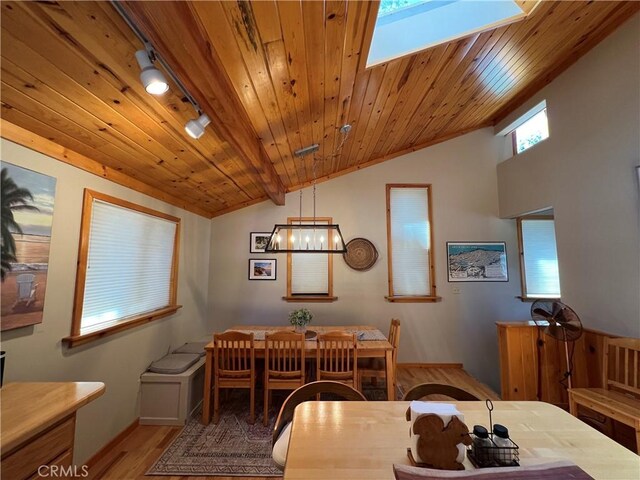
[182, 43]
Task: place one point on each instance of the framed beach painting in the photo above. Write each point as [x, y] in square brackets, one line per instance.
[477, 262]
[262, 269]
[27, 216]
[259, 241]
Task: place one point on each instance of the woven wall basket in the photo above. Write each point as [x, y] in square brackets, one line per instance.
[361, 254]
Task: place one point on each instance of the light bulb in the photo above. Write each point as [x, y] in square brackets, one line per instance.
[152, 79]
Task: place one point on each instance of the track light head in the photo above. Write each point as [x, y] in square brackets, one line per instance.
[153, 79]
[195, 128]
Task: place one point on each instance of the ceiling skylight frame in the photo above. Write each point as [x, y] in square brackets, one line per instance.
[385, 37]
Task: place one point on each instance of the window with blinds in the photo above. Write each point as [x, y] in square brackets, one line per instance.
[538, 258]
[309, 274]
[410, 252]
[128, 264]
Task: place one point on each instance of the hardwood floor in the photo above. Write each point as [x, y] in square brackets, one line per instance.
[132, 457]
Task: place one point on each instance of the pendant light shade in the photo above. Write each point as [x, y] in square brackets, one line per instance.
[153, 79]
[195, 128]
[306, 238]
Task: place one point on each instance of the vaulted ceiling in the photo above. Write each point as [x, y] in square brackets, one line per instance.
[274, 76]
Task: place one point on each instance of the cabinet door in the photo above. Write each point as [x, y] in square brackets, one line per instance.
[45, 448]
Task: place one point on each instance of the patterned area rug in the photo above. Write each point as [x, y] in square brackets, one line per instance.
[232, 447]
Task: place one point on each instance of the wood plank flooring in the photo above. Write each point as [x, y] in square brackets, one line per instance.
[132, 457]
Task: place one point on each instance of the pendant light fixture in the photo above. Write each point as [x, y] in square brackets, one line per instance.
[311, 236]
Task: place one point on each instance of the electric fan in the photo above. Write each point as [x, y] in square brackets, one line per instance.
[560, 322]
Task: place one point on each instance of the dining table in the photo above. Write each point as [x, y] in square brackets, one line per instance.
[363, 440]
[371, 343]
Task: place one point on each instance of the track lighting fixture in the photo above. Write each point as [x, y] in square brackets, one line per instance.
[153, 79]
[195, 128]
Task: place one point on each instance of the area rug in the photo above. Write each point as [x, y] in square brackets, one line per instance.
[231, 448]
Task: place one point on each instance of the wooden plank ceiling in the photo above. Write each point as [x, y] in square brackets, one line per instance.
[274, 76]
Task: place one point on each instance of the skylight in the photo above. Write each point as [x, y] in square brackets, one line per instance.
[408, 26]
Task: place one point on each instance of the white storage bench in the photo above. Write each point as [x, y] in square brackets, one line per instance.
[170, 399]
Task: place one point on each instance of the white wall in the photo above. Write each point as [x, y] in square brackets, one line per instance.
[460, 328]
[586, 172]
[36, 353]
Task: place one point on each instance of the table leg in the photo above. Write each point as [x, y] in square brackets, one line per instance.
[391, 380]
[206, 403]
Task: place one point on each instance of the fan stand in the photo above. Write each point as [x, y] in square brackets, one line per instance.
[566, 356]
[567, 372]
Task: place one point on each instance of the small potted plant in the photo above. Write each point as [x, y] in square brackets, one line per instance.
[300, 319]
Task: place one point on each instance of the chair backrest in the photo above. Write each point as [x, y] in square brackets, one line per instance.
[25, 283]
[309, 392]
[424, 389]
[337, 356]
[394, 339]
[234, 354]
[284, 355]
[621, 367]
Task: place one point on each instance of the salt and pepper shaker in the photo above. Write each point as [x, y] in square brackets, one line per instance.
[481, 437]
[501, 439]
[494, 448]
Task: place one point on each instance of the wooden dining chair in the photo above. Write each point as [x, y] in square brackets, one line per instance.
[234, 366]
[337, 358]
[375, 368]
[284, 359]
[327, 390]
[425, 389]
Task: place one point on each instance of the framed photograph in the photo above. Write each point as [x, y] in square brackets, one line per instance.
[258, 241]
[262, 269]
[477, 262]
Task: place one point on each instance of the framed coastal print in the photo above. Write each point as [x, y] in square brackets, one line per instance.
[262, 269]
[477, 262]
[27, 217]
[259, 241]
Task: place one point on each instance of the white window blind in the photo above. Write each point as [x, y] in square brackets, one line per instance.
[540, 258]
[129, 265]
[409, 218]
[310, 272]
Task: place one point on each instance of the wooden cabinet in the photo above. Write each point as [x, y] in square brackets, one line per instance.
[38, 425]
[522, 344]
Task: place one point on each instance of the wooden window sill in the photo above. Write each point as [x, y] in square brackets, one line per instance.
[533, 299]
[310, 298]
[417, 299]
[80, 339]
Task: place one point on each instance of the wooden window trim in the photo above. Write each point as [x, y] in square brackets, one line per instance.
[413, 299]
[533, 299]
[76, 338]
[523, 278]
[514, 143]
[290, 297]
[309, 298]
[432, 297]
